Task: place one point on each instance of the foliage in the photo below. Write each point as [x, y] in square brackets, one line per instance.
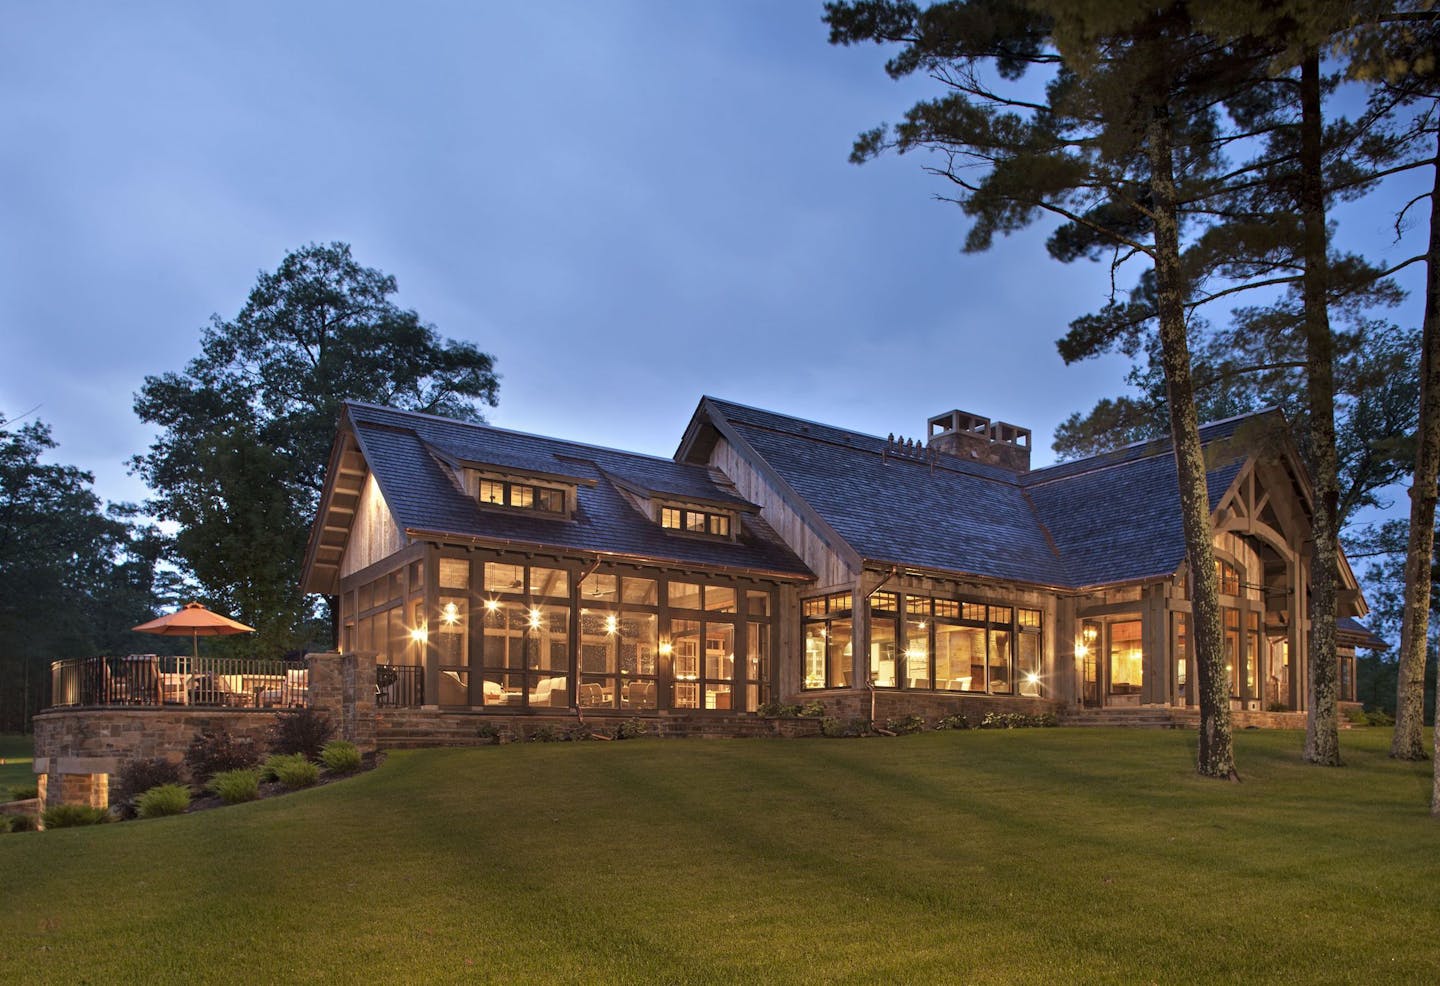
[1356, 717]
[778, 710]
[23, 823]
[73, 816]
[813, 709]
[236, 786]
[632, 729]
[905, 725]
[544, 733]
[165, 799]
[835, 729]
[294, 770]
[62, 553]
[245, 429]
[1378, 717]
[578, 732]
[955, 720]
[341, 757]
[488, 731]
[1277, 707]
[24, 792]
[140, 775]
[1017, 720]
[211, 752]
[302, 730]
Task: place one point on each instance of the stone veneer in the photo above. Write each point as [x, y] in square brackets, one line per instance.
[78, 750]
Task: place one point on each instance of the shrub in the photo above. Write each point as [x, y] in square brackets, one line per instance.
[544, 734]
[235, 786]
[488, 731]
[213, 752]
[1277, 707]
[23, 823]
[166, 799]
[835, 729]
[139, 776]
[4, 824]
[1379, 717]
[293, 770]
[778, 710]
[955, 721]
[579, 731]
[69, 816]
[303, 731]
[631, 729]
[812, 710]
[24, 792]
[1017, 720]
[905, 725]
[341, 757]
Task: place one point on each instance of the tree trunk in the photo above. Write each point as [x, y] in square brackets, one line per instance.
[1414, 630]
[1217, 755]
[1322, 723]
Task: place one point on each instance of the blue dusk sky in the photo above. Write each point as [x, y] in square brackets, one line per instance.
[629, 204]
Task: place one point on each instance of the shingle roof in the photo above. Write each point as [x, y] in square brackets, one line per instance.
[423, 496]
[1357, 634]
[1109, 518]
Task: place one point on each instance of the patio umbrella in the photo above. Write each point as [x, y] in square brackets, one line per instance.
[194, 621]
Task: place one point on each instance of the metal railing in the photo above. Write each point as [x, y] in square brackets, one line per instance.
[165, 680]
[399, 686]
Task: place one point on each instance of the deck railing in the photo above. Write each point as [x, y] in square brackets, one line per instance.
[399, 686]
[156, 680]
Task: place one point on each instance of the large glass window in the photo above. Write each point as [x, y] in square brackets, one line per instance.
[829, 645]
[757, 663]
[1127, 666]
[521, 496]
[1231, 622]
[1027, 662]
[884, 639]
[1000, 669]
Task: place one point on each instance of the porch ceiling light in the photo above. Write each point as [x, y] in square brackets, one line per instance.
[420, 635]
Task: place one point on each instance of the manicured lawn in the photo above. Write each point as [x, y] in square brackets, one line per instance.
[1029, 856]
[16, 771]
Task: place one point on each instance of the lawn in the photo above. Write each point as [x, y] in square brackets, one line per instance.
[1029, 856]
[16, 771]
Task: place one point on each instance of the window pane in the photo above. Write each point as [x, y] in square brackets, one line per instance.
[720, 525]
[547, 691]
[757, 603]
[882, 653]
[1126, 665]
[1232, 648]
[999, 614]
[502, 689]
[600, 589]
[638, 644]
[504, 578]
[947, 608]
[1000, 661]
[639, 592]
[492, 491]
[547, 638]
[505, 626]
[886, 602]
[685, 663]
[972, 611]
[670, 517]
[599, 639]
[1028, 617]
[451, 635]
[522, 496]
[757, 664]
[455, 687]
[684, 595]
[917, 605]
[813, 607]
[551, 501]
[1027, 656]
[917, 657]
[841, 653]
[719, 651]
[637, 695]
[454, 573]
[959, 658]
[595, 692]
[815, 641]
[719, 599]
[552, 582]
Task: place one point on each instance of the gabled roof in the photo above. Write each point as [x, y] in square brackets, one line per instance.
[1109, 518]
[410, 456]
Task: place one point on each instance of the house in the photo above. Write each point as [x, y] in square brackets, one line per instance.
[774, 559]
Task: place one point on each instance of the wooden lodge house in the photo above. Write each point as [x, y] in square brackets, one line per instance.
[779, 560]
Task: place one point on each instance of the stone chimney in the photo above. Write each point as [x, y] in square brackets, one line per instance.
[978, 439]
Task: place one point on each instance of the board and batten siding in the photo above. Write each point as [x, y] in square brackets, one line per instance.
[829, 567]
[373, 533]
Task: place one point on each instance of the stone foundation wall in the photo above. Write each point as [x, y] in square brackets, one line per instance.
[847, 703]
[415, 728]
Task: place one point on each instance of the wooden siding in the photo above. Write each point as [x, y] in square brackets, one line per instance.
[824, 560]
[373, 533]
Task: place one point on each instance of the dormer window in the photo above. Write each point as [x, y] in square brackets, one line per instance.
[692, 521]
[521, 496]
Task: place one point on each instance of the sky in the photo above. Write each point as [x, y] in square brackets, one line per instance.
[629, 205]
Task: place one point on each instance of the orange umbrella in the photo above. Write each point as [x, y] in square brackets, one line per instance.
[194, 621]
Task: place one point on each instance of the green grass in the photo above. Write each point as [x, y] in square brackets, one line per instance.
[1029, 856]
[17, 770]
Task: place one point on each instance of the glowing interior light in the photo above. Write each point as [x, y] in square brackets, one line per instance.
[611, 624]
[1032, 678]
[492, 605]
[665, 649]
[1081, 650]
[534, 619]
[420, 635]
[450, 614]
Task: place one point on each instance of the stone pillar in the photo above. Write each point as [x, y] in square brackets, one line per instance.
[342, 686]
[66, 781]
